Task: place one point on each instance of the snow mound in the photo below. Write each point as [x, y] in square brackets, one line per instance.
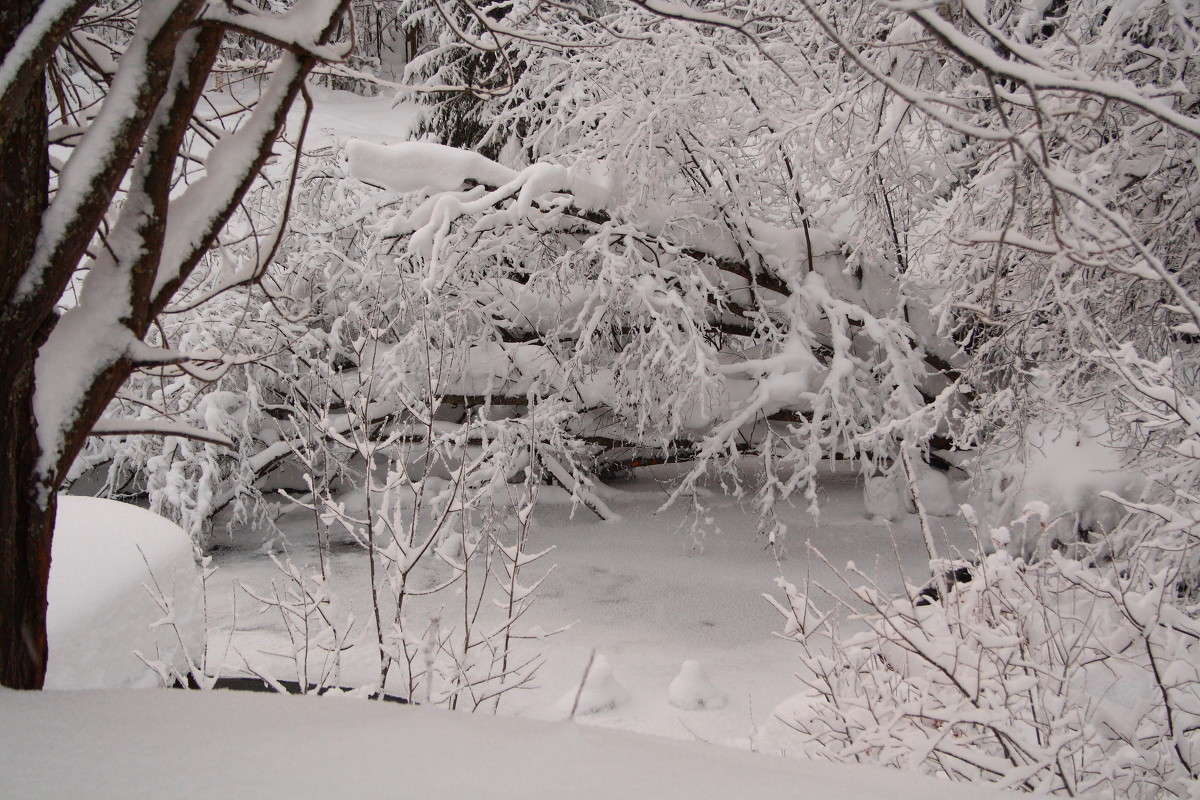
[692, 689]
[936, 494]
[601, 691]
[881, 498]
[103, 557]
[1069, 470]
[1061, 475]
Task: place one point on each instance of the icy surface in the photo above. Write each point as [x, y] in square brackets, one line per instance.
[100, 612]
[646, 593]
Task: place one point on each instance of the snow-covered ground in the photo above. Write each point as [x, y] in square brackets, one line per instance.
[158, 744]
[673, 623]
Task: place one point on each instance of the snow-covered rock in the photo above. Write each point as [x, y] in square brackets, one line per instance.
[692, 689]
[600, 692]
[936, 494]
[882, 499]
[105, 555]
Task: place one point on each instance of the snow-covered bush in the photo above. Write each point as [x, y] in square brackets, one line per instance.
[692, 689]
[1063, 481]
[598, 691]
[1050, 676]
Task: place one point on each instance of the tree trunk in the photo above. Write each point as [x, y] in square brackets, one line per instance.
[26, 527]
[26, 509]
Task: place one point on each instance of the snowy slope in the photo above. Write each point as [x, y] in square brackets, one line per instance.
[147, 744]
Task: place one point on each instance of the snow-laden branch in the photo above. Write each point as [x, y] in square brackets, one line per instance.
[1040, 76]
[300, 29]
[197, 214]
[151, 427]
[22, 66]
[93, 171]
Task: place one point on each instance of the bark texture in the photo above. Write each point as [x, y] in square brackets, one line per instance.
[26, 509]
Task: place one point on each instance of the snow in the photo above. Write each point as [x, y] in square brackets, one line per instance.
[600, 691]
[936, 494]
[85, 341]
[49, 15]
[1036, 76]
[693, 690]
[301, 25]
[160, 427]
[882, 499]
[99, 611]
[107, 137]
[1063, 475]
[645, 594]
[412, 166]
[198, 208]
[224, 744]
[679, 11]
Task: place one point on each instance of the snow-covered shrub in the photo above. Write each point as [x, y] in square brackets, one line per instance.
[1064, 480]
[1051, 676]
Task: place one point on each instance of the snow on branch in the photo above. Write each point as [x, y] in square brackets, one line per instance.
[21, 69]
[1036, 76]
[413, 166]
[301, 29]
[825, 355]
[144, 427]
[197, 214]
[90, 178]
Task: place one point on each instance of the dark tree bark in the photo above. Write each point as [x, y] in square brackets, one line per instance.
[26, 513]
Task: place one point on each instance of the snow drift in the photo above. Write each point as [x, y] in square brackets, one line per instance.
[107, 560]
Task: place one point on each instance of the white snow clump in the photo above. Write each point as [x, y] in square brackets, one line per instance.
[600, 692]
[881, 498]
[692, 689]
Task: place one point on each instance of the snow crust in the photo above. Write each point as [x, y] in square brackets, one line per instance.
[224, 744]
[103, 556]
